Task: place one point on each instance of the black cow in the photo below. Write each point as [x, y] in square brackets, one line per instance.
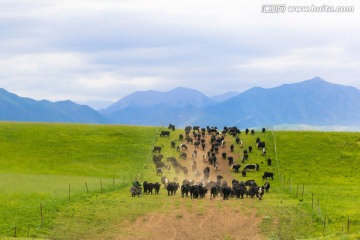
[206, 172]
[250, 149]
[232, 147]
[226, 191]
[243, 173]
[237, 140]
[252, 191]
[223, 155]
[269, 161]
[259, 192]
[172, 188]
[157, 187]
[148, 187]
[268, 175]
[239, 191]
[185, 189]
[267, 186]
[236, 167]
[196, 144]
[183, 155]
[250, 183]
[231, 160]
[252, 166]
[164, 133]
[181, 137]
[260, 145]
[159, 171]
[263, 130]
[173, 144]
[189, 140]
[157, 149]
[214, 191]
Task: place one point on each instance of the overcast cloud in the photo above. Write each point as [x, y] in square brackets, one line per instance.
[104, 50]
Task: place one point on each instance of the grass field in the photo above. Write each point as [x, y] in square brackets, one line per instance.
[40, 162]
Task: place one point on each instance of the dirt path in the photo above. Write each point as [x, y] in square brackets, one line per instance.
[191, 219]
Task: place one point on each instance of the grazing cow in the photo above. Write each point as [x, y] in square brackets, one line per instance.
[252, 191]
[250, 149]
[159, 171]
[185, 189]
[148, 187]
[157, 187]
[257, 139]
[252, 132]
[181, 137]
[223, 155]
[243, 173]
[164, 133]
[252, 166]
[181, 147]
[231, 160]
[267, 186]
[268, 175]
[263, 130]
[247, 131]
[183, 155]
[173, 144]
[269, 161]
[206, 172]
[165, 181]
[172, 188]
[250, 183]
[203, 146]
[226, 191]
[172, 127]
[260, 145]
[157, 149]
[214, 191]
[232, 147]
[196, 144]
[236, 167]
[239, 191]
[259, 192]
[189, 140]
[237, 140]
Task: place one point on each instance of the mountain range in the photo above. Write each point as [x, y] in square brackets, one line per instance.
[311, 102]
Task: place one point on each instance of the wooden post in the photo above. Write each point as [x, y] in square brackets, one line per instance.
[69, 192]
[87, 189]
[312, 201]
[302, 196]
[41, 214]
[297, 191]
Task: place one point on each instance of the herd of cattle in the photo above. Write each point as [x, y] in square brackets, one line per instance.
[218, 187]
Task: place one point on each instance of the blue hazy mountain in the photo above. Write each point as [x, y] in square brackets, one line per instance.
[313, 102]
[15, 108]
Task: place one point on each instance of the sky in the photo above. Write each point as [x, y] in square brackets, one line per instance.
[103, 50]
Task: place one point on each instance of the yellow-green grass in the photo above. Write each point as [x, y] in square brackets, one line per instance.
[43, 167]
[46, 158]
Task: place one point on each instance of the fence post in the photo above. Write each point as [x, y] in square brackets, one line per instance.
[41, 214]
[312, 201]
[297, 191]
[302, 196]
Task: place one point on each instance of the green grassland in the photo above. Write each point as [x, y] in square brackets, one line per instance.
[315, 180]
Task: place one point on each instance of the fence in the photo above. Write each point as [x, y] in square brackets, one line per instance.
[308, 199]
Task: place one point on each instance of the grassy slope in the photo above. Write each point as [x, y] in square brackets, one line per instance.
[113, 152]
[38, 162]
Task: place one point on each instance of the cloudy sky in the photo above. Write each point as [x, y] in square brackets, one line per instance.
[104, 50]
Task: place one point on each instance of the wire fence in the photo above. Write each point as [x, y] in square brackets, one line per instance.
[308, 198]
[31, 220]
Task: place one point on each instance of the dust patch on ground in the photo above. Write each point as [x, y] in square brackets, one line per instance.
[213, 220]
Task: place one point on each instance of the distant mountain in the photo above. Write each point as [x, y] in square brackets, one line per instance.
[179, 97]
[223, 97]
[312, 102]
[15, 108]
